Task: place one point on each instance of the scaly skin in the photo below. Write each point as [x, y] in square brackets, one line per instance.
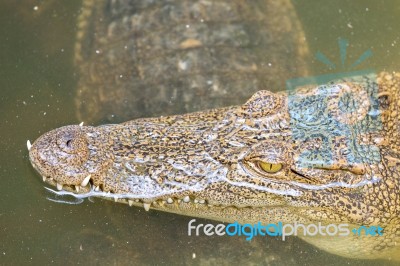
[268, 160]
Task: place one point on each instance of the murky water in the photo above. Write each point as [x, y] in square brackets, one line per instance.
[36, 94]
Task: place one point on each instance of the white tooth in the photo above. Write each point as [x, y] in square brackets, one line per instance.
[77, 188]
[97, 188]
[115, 198]
[179, 200]
[29, 145]
[44, 179]
[169, 200]
[186, 199]
[196, 201]
[146, 206]
[59, 186]
[202, 201]
[81, 124]
[85, 181]
[130, 202]
[136, 200]
[108, 194]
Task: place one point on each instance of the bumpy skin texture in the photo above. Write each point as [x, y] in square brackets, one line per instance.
[209, 164]
[148, 58]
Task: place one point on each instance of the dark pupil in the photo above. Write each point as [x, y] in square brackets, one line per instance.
[68, 143]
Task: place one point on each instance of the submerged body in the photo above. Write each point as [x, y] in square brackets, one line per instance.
[326, 154]
[136, 58]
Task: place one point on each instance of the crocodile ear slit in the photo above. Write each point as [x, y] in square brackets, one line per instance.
[262, 103]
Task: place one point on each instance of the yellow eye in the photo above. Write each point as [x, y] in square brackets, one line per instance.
[270, 167]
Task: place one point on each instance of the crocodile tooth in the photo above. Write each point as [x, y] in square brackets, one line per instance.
[77, 188]
[137, 200]
[29, 145]
[115, 198]
[169, 200]
[44, 178]
[130, 202]
[85, 181]
[196, 201]
[97, 188]
[59, 186]
[179, 200]
[81, 124]
[186, 199]
[202, 201]
[146, 206]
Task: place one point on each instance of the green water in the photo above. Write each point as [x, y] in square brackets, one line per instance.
[37, 83]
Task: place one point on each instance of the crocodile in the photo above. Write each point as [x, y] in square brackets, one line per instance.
[327, 154]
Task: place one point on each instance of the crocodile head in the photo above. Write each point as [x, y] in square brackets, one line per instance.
[321, 154]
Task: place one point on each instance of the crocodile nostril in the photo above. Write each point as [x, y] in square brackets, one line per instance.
[68, 143]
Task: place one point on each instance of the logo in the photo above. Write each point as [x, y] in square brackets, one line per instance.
[332, 110]
[280, 229]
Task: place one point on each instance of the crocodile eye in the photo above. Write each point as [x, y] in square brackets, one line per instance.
[270, 167]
